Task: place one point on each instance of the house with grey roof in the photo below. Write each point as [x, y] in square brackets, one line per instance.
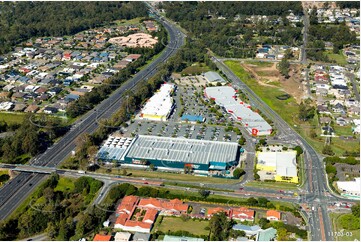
[141, 236]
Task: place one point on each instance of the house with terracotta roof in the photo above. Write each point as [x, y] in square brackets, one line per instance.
[172, 207]
[242, 214]
[212, 211]
[127, 204]
[273, 215]
[99, 237]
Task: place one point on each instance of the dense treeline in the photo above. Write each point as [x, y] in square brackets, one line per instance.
[58, 212]
[230, 38]
[33, 136]
[202, 10]
[348, 4]
[98, 94]
[22, 20]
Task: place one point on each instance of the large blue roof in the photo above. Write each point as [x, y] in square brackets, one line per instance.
[192, 118]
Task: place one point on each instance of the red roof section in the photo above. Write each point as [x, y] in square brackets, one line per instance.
[212, 211]
[242, 212]
[273, 213]
[99, 237]
[150, 215]
[174, 204]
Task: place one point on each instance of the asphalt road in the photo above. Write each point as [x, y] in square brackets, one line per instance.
[12, 193]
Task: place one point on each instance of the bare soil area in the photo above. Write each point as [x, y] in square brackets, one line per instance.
[270, 76]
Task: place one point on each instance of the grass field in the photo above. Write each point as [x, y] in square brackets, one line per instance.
[260, 63]
[12, 118]
[273, 185]
[269, 94]
[196, 227]
[194, 70]
[65, 184]
[342, 234]
[339, 58]
[172, 176]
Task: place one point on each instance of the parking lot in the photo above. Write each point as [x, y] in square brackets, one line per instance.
[173, 129]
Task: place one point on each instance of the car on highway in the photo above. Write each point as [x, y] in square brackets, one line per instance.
[145, 182]
[281, 191]
[241, 188]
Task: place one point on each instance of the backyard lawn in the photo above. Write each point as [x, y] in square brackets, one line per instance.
[196, 227]
[339, 58]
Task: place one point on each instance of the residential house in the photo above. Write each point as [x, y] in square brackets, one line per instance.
[341, 121]
[354, 110]
[322, 92]
[338, 108]
[122, 236]
[325, 120]
[266, 235]
[31, 108]
[323, 109]
[50, 110]
[212, 211]
[99, 237]
[173, 207]
[55, 90]
[180, 238]
[19, 107]
[249, 230]
[17, 96]
[141, 236]
[273, 215]
[242, 214]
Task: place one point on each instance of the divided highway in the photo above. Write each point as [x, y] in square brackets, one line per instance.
[15, 191]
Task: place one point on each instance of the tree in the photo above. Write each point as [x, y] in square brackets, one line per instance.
[219, 227]
[283, 67]
[327, 150]
[152, 167]
[350, 222]
[262, 142]
[252, 201]
[238, 172]
[281, 234]
[204, 193]
[331, 169]
[263, 222]
[356, 210]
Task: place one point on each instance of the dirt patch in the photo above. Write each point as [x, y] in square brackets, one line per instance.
[267, 75]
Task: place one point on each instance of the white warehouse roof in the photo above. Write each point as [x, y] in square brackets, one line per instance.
[161, 102]
[350, 186]
[284, 162]
[225, 97]
[182, 150]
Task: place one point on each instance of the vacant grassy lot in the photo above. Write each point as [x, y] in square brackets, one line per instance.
[65, 184]
[194, 70]
[339, 58]
[345, 235]
[3, 172]
[260, 63]
[12, 118]
[173, 224]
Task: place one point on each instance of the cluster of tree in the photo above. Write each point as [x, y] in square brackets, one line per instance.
[350, 221]
[306, 111]
[335, 159]
[203, 10]
[348, 4]
[238, 172]
[4, 126]
[327, 150]
[56, 211]
[226, 38]
[23, 20]
[284, 230]
[284, 65]
[32, 137]
[339, 35]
